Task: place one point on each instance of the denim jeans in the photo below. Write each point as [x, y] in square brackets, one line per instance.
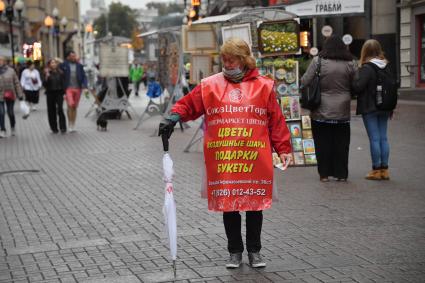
[376, 126]
[9, 105]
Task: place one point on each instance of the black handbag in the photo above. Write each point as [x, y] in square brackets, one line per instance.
[310, 95]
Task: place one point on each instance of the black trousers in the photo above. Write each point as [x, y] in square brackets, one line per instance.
[32, 96]
[55, 110]
[232, 225]
[332, 142]
[9, 105]
[136, 87]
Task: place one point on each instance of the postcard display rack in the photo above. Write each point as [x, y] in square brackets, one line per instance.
[285, 74]
[278, 41]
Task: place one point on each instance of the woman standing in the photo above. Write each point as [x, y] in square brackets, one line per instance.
[375, 121]
[9, 90]
[243, 123]
[31, 83]
[54, 83]
[331, 120]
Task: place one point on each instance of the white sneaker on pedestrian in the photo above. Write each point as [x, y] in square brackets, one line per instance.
[33, 108]
[234, 261]
[255, 260]
[71, 129]
[2, 134]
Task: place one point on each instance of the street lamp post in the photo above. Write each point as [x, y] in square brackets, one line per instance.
[48, 22]
[11, 6]
[57, 28]
[55, 14]
[83, 48]
[63, 23]
[19, 7]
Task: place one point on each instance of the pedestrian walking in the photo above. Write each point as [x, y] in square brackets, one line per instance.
[31, 83]
[136, 74]
[243, 122]
[375, 120]
[54, 83]
[331, 120]
[10, 88]
[75, 83]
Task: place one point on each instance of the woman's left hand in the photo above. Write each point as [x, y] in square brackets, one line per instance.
[286, 159]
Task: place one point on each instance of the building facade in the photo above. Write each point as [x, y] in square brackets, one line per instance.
[60, 36]
[412, 45]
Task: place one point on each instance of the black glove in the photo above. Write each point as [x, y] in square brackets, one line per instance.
[166, 127]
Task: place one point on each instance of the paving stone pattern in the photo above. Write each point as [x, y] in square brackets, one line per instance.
[93, 211]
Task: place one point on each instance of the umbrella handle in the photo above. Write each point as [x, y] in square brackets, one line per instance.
[165, 143]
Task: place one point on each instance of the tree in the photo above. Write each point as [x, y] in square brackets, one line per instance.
[164, 9]
[120, 20]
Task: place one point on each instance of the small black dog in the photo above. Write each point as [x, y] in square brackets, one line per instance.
[102, 123]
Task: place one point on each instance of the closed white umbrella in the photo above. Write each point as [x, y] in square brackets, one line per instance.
[169, 208]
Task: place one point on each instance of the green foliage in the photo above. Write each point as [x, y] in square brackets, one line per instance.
[280, 27]
[121, 21]
[165, 9]
[268, 62]
[304, 62]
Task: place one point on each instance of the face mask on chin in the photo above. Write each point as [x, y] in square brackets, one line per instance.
[232, 73]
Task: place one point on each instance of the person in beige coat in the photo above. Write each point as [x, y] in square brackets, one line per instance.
[331, 120]
[9, 84]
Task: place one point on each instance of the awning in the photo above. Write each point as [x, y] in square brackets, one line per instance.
[216, 19]
[147, 33]
[163, 30]
[250, 15]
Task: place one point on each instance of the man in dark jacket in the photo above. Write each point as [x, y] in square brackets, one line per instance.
[75, 83]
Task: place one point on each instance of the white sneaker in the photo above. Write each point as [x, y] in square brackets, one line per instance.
[71, 129]
[2, 134]
[33, 108]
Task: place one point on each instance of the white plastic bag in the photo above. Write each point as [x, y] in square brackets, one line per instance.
[25, 110]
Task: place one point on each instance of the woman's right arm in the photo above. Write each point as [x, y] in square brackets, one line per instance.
[18, 88]
[361, 79]
[190, 106]
[45, 78]
[309, 74]
[23, 77]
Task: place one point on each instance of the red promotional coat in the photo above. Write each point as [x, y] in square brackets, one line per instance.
[243, 122]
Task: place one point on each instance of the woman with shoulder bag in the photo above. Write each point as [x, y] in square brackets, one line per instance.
[54, 83]
[31, 83]
[10, 88]
[331, 119]
[375, 120]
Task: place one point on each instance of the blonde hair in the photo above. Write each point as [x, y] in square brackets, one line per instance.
[236, 47]
[371, 49]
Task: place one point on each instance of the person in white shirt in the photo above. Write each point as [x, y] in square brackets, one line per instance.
[31, 83]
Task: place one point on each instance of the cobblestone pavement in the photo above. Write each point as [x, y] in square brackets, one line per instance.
[92, 211]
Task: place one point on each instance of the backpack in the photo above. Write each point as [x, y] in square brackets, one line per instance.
[386, 88]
